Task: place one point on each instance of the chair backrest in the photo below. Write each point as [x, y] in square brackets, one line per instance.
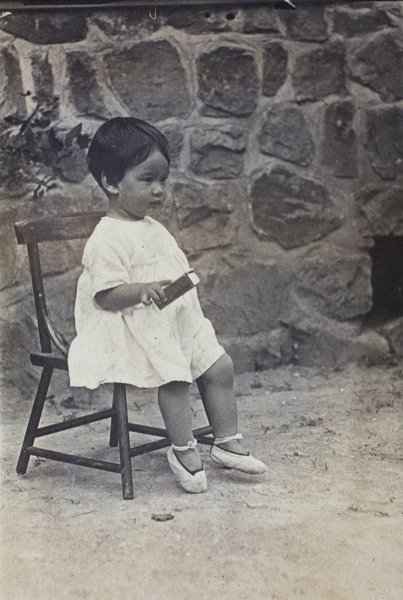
[51, 229]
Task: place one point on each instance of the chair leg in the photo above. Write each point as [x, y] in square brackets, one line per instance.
[120, 404]
[34, 419]
[113, 433]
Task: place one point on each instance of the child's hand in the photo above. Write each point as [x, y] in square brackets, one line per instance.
[153, 291]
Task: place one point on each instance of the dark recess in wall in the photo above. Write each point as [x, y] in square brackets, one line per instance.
[387, 279]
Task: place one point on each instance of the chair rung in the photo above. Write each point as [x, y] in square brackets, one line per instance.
[76, 422]
[205, 440]
[202, 431]
[164, 443]
[158, 431]
[49, 360]
[150, 447]
[147, 429]
[82, 461]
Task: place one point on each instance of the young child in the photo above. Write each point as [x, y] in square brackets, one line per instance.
[122, 335]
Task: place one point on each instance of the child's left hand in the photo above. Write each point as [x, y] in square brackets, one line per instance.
[154, 291]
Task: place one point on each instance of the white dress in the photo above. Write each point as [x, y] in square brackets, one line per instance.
[142, 345]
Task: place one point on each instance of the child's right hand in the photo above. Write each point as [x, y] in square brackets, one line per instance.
[153, 291]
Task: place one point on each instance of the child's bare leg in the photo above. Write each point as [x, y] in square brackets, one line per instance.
[174, 403]
[216, 388]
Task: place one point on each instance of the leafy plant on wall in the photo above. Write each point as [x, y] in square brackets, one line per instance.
[37, 153]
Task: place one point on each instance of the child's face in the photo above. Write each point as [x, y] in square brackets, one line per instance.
[142, 189]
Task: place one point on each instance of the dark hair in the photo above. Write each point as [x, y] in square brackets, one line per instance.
[121, 144]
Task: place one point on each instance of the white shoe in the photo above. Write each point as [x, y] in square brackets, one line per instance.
[241, 462]
[194, 483]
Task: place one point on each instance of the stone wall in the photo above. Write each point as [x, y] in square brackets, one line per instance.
[285, 129]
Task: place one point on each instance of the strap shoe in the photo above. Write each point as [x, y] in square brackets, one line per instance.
[232, 460]
[194, 483]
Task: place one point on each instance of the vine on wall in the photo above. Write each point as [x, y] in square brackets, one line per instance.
[35, 153]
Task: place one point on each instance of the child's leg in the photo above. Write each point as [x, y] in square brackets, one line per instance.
[216, 388]
[174, 403]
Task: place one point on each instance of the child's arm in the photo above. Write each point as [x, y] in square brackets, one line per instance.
[130, 294]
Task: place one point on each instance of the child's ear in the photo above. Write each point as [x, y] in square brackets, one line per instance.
[111, 189]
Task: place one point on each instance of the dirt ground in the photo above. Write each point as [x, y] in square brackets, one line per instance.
[325, 522]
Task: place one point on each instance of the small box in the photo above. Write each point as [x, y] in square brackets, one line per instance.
[180, 286]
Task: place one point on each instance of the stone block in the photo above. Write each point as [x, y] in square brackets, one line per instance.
[228, 82]
[12, 263]
[337, 282]
[337, 348]
[15, 164]
[245, 300]
[174, 136]
[206, 216]
[393, 332]
[195, 201]
[216, 162]
[318, 340]
[139, 76]
[261, 19]
[275, 62]
[126, 23]
[217, 230]
[370, 348]
[320, 72]
[61, 292]
[356, 22]
[378, 64]
[12, 102]
[65, 260]
[68, 197]
[197, 21]
[285, 133]
[227, 136]
[218, 153]
[339, 141]
[83, 84]
[266, 350]
[305, 25]
[18, 330]
[43, 77]
[291, 210]
[382, 138]
[383, 210]
[16, 374]
[47, 27]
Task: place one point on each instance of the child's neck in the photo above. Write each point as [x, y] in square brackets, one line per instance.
[116, 212]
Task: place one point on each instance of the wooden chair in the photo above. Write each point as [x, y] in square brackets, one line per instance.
[53, 355]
